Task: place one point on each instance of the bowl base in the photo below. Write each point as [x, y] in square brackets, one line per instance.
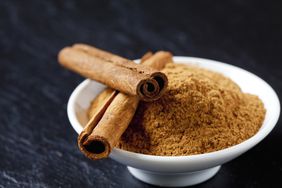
[173, 179]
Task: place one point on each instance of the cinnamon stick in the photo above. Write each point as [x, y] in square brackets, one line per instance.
[105, 127]
[114, 71]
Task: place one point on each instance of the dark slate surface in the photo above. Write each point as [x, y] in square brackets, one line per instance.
[38, 146]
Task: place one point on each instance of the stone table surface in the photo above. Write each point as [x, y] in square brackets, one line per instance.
[37, 144]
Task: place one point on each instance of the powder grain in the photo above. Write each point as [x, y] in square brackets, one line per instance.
[201, 111]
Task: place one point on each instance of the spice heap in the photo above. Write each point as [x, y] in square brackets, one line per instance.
[201, 111]
[158, 107]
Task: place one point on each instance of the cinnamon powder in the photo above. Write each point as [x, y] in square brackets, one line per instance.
[201, 111]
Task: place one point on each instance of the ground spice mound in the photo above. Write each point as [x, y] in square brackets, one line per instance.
[201, 111]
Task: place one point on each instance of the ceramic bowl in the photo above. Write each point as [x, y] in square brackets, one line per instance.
[183, 170]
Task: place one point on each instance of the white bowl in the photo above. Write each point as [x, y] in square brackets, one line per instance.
[183, 170]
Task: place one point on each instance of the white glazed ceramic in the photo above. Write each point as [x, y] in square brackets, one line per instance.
[183, 170]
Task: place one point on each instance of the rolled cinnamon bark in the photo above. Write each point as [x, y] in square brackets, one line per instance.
[105, 127]
[114, 71]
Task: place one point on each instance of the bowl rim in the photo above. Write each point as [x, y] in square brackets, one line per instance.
[243, 146]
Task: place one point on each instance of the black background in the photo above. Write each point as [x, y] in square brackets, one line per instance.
[37, 144]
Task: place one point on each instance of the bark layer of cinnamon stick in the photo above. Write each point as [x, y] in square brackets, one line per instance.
[114, 71]
[112, 115]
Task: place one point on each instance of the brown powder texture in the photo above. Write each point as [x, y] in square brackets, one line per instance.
[201, 111]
